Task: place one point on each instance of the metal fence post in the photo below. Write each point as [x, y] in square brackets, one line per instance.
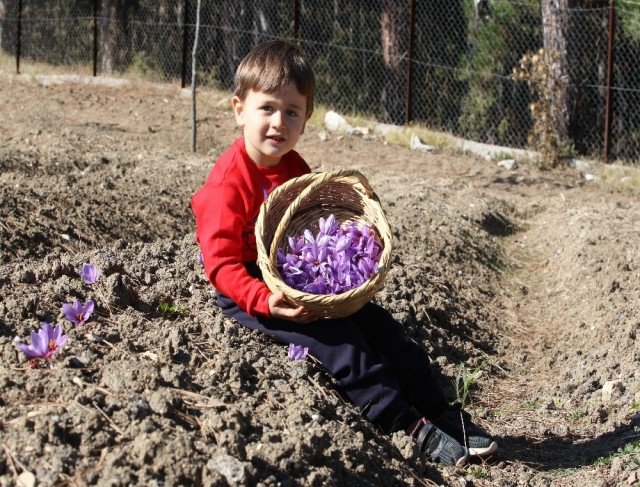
[296, 19]
[95, 38]
[19, 37]
[607, 118]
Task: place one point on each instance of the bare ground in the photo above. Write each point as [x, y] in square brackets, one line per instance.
[531, 277]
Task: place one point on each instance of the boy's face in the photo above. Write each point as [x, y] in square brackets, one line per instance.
[272, 123]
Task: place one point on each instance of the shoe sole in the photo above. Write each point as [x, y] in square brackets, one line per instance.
[462, 461]
[487, 450]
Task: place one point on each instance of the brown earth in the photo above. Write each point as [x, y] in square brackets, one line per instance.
[530, 277]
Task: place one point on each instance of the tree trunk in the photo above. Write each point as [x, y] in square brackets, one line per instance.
[107, 35]
[264, 19]
[395, 44]
[555, 27]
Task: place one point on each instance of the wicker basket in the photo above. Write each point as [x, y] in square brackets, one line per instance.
[297, 205]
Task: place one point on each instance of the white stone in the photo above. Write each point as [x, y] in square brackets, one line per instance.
[336, 123]
[611, 390]
[232, 469]
[26, 479]
[416, 144]
[508, 164]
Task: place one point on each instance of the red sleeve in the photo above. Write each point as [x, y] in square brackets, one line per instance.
[219, 209]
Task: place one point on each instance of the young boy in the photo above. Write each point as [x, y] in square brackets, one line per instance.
[368, 354]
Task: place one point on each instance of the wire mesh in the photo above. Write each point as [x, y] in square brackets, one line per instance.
[447, 65]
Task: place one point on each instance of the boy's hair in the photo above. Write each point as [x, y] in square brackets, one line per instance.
[272, 66]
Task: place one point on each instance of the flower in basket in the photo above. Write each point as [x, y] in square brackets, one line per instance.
[337, 259]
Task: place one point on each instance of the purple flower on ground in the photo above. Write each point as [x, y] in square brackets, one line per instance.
[78, 313]
[200, 258]
[45, 343]
[90, 273]
[297, 352]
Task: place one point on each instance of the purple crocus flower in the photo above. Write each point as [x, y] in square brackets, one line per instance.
[90, 273]
[200, 258]
[337, 259]
[78, 313]
[297, 352]
[45, 343]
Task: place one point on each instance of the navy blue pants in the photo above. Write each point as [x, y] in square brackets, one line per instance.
[382, 371]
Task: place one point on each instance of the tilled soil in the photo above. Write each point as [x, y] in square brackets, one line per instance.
[529, 278]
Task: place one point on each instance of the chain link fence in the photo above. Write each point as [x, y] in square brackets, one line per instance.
[444, 64]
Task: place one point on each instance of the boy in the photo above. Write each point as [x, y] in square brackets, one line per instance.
[384, 373]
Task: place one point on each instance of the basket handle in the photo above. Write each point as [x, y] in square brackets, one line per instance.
[319, 179]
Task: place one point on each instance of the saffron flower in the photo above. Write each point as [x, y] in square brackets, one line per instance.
[337, 259]
[297, 352]
[78, 313]
[45, 343]
[90, 273]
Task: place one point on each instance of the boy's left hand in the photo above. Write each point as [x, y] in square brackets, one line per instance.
[279, 308]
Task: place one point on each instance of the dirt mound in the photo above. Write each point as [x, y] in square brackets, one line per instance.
[531, 278]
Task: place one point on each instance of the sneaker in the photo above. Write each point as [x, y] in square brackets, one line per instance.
[457, 423]
[438, 445]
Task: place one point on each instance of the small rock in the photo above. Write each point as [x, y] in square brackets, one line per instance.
[26, 479]
[508, 164]
[232, 469]
[335, 123]
[581, 165]
[416, 144]
[633, 478]
[616, 467]
[612, 389]
[358, 131]
[75, 362]
[323, 136]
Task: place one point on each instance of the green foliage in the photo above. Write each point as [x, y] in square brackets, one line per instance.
[535, 70]
[631, 448]
[531, 405]
[464, 381]
[492, 108]
[629, 15]
[477, 472]
[170, 309]
[577, 415]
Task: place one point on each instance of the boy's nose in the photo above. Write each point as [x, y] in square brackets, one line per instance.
[277, 120]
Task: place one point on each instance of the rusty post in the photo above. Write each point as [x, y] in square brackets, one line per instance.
[19, 37]
[607, 118]
[296, 19]
[409, 105]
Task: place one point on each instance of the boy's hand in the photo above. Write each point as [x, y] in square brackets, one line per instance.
[279, 308]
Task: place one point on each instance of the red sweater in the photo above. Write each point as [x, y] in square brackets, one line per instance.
[226, 209]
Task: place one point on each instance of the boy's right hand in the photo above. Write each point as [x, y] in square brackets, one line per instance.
[279, 308]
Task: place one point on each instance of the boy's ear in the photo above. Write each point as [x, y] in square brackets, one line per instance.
[237, 110]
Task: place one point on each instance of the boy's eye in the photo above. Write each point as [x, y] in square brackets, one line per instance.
[267, 108]
[292, 113]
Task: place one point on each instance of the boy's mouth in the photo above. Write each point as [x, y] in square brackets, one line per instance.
[276, 138]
